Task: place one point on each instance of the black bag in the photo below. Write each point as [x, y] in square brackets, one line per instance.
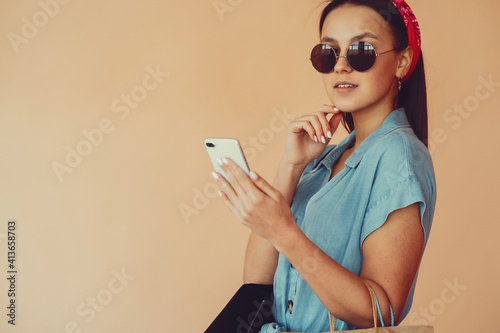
[249, 309]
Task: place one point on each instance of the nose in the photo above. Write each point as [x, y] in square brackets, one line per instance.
[342, 65]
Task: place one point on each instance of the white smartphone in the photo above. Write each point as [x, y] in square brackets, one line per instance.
[226, 147]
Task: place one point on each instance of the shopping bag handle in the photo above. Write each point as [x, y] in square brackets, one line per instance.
[373, 298]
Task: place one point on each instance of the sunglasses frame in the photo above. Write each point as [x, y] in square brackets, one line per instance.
[346, 56]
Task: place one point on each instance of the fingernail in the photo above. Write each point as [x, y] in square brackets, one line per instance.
[329, 134]
[219, 161]
[215, 175]
[253, 175]
[335, 109]
[226, 162]
[220, 194]
[323, 139]
[315, 138]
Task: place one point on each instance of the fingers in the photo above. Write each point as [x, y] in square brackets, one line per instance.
[325, 125]
[227, 189]
[307, 124]
[228, 195]
[265, 187]
[329, 126]
[252, 187]
[317, 126]
[335, 121]
[231, 186]
[240, 189]
[235, 209]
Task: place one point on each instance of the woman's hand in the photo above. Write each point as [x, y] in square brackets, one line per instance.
[254, 201]
[308, 135]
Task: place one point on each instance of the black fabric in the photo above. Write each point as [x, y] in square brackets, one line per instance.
[249, 309]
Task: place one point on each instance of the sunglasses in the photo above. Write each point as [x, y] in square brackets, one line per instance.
[360, 56]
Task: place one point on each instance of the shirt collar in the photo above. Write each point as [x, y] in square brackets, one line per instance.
[394, 120]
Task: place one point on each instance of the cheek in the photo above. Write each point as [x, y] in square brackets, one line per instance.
[326, 80]
[328, 83]
[383, 78]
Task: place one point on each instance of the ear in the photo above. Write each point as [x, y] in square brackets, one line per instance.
[404, 61]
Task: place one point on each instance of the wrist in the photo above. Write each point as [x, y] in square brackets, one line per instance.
[287, 237]
[290, 168]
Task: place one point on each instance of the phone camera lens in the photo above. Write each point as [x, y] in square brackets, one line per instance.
[210, 144]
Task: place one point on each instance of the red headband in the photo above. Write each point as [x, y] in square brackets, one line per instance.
[413, 30]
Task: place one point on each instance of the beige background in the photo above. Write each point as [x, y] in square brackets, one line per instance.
[231, 73]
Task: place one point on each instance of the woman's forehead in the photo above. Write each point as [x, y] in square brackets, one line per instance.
[348, 21]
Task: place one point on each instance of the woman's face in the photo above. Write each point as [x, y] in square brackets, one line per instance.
[375, 88]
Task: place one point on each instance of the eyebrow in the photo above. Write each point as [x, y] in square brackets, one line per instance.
[353, 39]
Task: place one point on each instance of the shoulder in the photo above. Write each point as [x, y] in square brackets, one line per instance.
[400, 153]
[403, 174]
[402, 169]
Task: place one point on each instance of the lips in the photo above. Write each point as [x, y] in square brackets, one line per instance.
[344, 84]
[344, 87]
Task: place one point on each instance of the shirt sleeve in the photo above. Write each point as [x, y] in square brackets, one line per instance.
[404, 175]
[401, 195]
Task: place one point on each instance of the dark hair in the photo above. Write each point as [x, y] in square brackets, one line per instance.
[413, 95]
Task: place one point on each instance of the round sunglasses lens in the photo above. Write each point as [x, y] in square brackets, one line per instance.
[361, 56]
[323, 58]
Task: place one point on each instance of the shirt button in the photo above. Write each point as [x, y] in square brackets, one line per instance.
[290, 306]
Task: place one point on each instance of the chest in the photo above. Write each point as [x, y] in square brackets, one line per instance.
[340, 163]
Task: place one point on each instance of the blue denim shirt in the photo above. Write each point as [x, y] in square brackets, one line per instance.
[391, 169]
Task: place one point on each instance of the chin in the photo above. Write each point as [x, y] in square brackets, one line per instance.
[346, 107]
[345, 104]
[351, 104]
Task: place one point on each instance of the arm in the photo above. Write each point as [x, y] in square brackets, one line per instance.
[391, 255]
[261, 258]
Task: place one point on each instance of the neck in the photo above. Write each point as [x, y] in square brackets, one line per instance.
[366, 121]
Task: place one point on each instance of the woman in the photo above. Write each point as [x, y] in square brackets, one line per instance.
[336, 215]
